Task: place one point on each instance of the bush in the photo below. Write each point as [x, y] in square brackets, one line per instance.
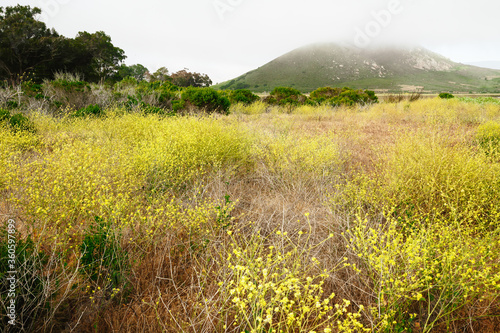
[151, 109]
[446, 95]
[4, 115]
[285, 96]
[12, 104]
[91, 110]
[206, 99]
[19, 122]
[103, 259]
[159, 94]
[75, 94]
[243, 96]
[343, 96]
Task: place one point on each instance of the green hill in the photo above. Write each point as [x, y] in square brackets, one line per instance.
[388, 68]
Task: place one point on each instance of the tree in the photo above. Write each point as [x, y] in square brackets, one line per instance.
[25, 43]
[28, 49]
[161, 75]
[183, 78]
[138, 72]
[100, 58]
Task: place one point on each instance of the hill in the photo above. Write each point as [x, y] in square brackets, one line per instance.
[387, 68]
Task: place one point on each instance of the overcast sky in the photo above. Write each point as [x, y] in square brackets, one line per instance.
[226, 38]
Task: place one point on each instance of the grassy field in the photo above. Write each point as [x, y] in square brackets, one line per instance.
[381, 218]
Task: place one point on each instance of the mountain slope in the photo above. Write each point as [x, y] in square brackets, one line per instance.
[389, 68]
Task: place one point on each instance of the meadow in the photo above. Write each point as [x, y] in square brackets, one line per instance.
[375, 218]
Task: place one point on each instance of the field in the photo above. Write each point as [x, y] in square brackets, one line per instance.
[380, 218]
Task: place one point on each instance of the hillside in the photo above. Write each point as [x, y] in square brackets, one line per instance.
[389, 68]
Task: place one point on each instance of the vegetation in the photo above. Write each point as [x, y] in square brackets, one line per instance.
[377, 218]
[343, 96]
[31, 51]
[446, 95]
[206, 99]
[243, 96]
[286, 96]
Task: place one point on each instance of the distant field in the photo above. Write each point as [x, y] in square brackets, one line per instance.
[377, 218]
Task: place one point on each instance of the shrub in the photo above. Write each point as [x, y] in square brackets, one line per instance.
[103, 259]
[4, 115]
[74, 94]
[90, 110]
[12, 104]
[343, 96]
[158, 94]
[206, 99]
[446, 95]
[31, 89]
[19, 122]
[151, 109]
[243, 96]
[287, 97]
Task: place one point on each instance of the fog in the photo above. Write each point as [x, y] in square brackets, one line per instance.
[226, 38]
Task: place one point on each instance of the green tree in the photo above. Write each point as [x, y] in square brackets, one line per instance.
[100, 59]
[26, 44]
[183, 78]
[29, 50]
[136, 71]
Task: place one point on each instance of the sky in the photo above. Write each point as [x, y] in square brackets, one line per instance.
[227, 38]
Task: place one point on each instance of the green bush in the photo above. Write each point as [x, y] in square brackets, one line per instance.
[446, 95]
[287, 97]
[31, 89]
[103, 259]
[206, 99]
[151, 109]
[19, 122]
[343, 96]
[243, 96]
[12, 104]
[160, 94]
[178, 105]
[4, 115]
[90, 110]
[74, 94]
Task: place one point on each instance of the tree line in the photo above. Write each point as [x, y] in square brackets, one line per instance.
[29, 50]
